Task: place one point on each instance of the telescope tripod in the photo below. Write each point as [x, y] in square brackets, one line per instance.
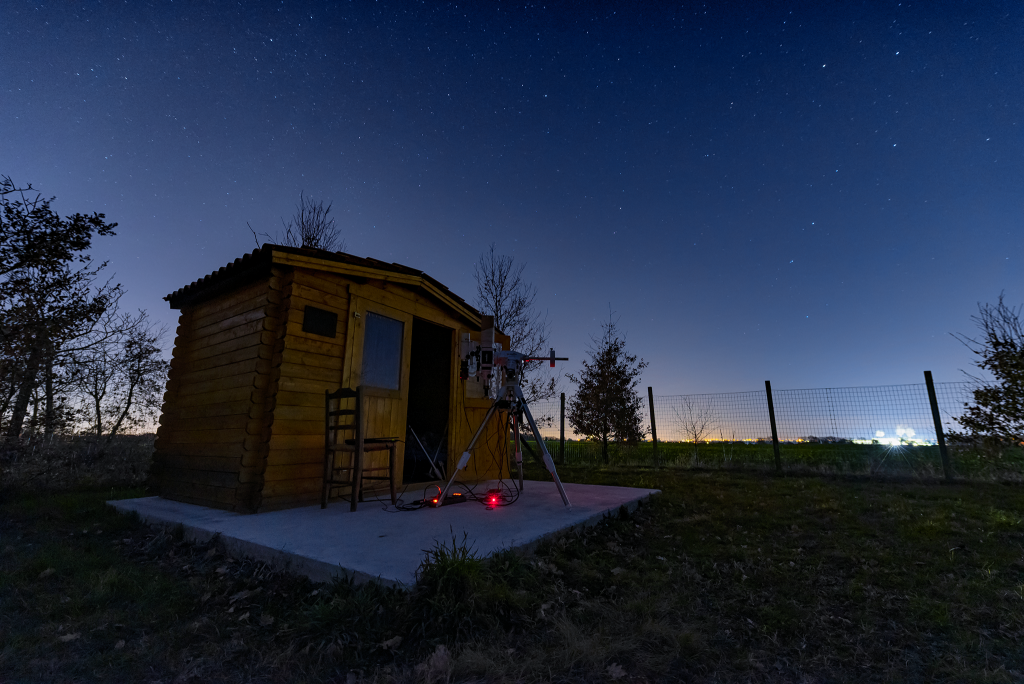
[510, 397]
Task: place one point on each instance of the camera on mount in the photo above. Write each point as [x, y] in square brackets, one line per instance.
[492, 366]
[500, 373]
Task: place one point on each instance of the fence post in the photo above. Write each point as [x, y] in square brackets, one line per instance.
[561, 432]
[937, 419]
[654, 428]
[775, 432]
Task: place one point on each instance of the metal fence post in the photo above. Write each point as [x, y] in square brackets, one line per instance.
[654, 428]
[561, 431]
[937, 419]
[775, 432]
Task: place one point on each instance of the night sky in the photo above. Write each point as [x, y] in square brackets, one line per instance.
[811, 193]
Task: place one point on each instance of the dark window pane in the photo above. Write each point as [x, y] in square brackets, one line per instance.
[382, 351]
[319, 322]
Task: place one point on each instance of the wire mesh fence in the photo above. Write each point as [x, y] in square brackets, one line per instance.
[888, 414]
[886, 428]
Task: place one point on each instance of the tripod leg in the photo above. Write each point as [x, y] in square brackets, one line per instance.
[464, 459]
[548, 461]
[516, 422]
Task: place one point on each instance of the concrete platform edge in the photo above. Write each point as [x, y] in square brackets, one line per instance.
[283, 561]
[323, 572]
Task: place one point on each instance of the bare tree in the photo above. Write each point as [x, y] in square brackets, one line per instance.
[121, 376]
[697, 420]
[502, 293]
[312, 227]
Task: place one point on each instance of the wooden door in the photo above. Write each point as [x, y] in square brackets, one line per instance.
[380, 340]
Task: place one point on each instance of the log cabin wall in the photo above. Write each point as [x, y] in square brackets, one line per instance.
[209, 444]
[310, 365]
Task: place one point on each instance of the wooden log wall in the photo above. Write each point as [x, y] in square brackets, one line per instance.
[310, 365]
[210, 446]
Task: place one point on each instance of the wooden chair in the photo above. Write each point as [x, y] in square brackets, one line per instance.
[344, 411]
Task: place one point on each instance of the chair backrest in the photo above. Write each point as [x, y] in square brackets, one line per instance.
[342, 413]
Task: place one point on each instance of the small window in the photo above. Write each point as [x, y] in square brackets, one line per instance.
[382, 351]
[319, 322]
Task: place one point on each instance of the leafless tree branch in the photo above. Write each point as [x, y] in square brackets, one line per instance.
[503, 293]
[312, 227]
[697, 420]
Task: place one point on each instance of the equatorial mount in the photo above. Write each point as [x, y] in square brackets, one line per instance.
[504, 370]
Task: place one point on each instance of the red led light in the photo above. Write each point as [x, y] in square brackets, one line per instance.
[435, 500]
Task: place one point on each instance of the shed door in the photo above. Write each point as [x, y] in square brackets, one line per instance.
[380, 338]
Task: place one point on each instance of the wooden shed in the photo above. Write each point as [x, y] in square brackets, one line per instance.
[260, 340]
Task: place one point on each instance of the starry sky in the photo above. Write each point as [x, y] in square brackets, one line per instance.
[811, 193]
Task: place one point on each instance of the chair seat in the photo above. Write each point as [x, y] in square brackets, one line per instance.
[368, 445]
[374, 440]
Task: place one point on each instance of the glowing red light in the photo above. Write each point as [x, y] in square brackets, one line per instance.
[435, 500]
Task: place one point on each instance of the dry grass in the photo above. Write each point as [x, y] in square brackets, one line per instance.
[72, 461]
[725, 577]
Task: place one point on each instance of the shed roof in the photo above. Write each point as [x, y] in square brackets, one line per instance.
[257, 263]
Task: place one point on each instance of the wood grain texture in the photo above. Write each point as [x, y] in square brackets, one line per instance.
[226, 304]
[211, 478]
[232, 408]
[237, 421]
[225, 359]
[240, 368]
[215, 397]
[226, 450]
[264, 396]
[217, 366]
[322, 294]
[316, 345]
[198, 493]
[201, 351]
[249, 379]
[284, 457]
[312, 360]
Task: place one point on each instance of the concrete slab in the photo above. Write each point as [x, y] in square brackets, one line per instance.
[381, 544]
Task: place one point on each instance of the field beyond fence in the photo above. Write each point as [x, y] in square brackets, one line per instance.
[886, 429]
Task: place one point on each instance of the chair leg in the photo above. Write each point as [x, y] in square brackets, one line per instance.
[328, 475]
[357, 478]
[392, 459]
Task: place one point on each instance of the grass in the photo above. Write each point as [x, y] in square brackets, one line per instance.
[727, 576]
[806, 457]
[69, 461]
